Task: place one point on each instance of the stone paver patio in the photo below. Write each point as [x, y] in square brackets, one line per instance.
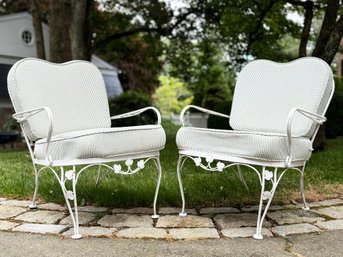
[205, 223]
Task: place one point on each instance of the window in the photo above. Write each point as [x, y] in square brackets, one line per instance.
[27, 37]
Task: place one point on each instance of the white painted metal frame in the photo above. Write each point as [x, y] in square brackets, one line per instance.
[264, 176]
[72, 175]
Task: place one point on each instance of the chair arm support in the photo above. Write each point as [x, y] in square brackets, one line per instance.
[310, 115]
[137, 112]
[199, 109]
[20, 117]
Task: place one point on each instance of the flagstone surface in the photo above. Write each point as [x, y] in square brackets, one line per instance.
[205, 223]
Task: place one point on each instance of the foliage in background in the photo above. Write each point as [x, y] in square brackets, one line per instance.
[334, 114]
[11, 124]
[217, 122]
[246, 30]
[258, 30]
[129, 101]
[129, 33]
[243, 29]
[136, 55]
[172, 96]
[205, 73]
[209, 40]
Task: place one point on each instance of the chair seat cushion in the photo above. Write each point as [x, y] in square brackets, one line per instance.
[103, 143]
[249, 145]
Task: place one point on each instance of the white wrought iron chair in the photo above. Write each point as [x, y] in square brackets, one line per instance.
[276, 112]
[64, 114]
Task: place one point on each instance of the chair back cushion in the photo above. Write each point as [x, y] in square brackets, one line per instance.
[74, 91]
[266, 91]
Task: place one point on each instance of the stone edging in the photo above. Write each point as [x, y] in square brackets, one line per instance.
[206, 223]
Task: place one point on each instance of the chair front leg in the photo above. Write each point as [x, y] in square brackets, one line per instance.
[33, 205]
[179, 167]
[70, 196]
[305, 206]
[159, 170]
[266, 196]
[258, 234]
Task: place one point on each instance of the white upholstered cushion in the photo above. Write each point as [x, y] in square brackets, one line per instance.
[250, 145]
[266, 92]
[103, 143]
[74, 91]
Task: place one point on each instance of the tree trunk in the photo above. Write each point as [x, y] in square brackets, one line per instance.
[333, 42]
[59, 23]
[318, 143]
[327, 27]
[56, 25]
[308, 5]
[326, 47]
[79, 28]
[37, 25]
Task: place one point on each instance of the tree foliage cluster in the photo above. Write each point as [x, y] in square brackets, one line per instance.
[172, 96]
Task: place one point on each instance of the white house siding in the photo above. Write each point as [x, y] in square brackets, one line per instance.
[13, 48]
[11, 43]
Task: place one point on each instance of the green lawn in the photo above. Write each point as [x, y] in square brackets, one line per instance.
[323, 179]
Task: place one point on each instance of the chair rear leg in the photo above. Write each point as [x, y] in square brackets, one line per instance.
[98, 177]
[33, 205]
[305, 206]
[159, 170]
[179, 167]
[241, 177]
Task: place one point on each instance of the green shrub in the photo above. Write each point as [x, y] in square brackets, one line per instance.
[129, 101]
[10, 124]
[334, 124]
[216, 122]
[338, 84]
[172, 96]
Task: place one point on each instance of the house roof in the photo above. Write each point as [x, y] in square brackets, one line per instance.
[101, 64]
[18, 16]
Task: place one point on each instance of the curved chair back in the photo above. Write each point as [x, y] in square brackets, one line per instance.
[74, 91]
[266, 91]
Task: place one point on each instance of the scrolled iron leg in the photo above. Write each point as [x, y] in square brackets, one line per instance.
[266, 195]
[305, 206]
[258, 234]
[77, 234]
[33, 205]
[179, 166]
[70, 196]
[159, 169]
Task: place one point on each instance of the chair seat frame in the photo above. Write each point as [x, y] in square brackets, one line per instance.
[134, 163]
[270, 174]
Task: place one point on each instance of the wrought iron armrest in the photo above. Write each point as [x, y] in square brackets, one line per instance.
[312, 116]
[20, 117]
[199, 109]
[137, 112]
